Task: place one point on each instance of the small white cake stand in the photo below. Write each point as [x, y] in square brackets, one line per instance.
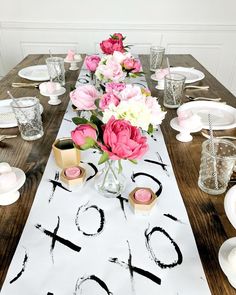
[74, 63]
[227, 267]
[54, 100]
[9, 196]
[184, 134]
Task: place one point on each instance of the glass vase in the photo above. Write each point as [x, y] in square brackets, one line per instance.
[109, 181]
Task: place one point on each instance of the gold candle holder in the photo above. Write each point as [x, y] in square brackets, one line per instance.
[65, 153]
[72, 182]
[139, 207]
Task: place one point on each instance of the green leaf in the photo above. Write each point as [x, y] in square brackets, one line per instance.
[120, 168]
[97, 102]
[150, 129]
[133, 161]
[79, 121]
[89, 142]
[104, 158]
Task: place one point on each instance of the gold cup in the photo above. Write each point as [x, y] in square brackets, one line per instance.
[65, 153]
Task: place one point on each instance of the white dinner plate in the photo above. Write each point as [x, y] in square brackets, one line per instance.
[230, 205]
[192, 75]
[222, 116]
[7, 117]
[35, 73]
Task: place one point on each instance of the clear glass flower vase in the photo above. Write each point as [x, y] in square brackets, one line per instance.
[109, 182]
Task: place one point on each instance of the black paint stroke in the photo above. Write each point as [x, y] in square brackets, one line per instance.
[130, 268]
[57, 238]
[122, 201]
[55, 183]
[149, 248]
[102, 219]
[94, 168]
[54, 239]
[68, 120]
[164, 167]
[154, 138]
[49, 293]
[155, 162]
[138, 270]
[83, 80]
[172, 217]
[100, 282]
[22, 269]
[133, 269]
[158, 192]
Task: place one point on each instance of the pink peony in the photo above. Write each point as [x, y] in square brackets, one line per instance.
[115, 87]
[137, 66]
[82, 132]
[107, 99]
[110, 45]
[131, 92]
[129, 63]
[91, 62]
[111, 71]
[123, 141]
[84, 97]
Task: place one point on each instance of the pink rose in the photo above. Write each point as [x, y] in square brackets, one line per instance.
[107, 99]
[128, 63]
[82, 132]
[84, 97]
[137, 66]
[113, 86]
[123, 141]
[91, 62]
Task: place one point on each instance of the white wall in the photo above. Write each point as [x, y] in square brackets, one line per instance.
[204, 28]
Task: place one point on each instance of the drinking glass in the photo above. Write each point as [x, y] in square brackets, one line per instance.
[56, 69]
[217, 163]
[156, 57]
[173, 90]
[28, 116]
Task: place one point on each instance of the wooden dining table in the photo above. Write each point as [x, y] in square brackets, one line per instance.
[206, 212]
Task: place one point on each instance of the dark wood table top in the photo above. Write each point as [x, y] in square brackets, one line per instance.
[206, 213]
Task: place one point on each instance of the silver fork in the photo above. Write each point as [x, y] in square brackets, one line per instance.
[202, 98]
[2, 137]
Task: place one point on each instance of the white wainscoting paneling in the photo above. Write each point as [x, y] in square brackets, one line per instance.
[212, 45]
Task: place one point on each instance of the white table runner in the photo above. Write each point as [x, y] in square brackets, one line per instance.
[83, 243]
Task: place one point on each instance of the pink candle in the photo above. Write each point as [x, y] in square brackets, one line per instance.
[143, 195]
[72, 172]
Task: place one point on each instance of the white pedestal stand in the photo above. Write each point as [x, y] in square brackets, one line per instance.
[11, 195]
[184, 134]
[53, 97]
[74, 63]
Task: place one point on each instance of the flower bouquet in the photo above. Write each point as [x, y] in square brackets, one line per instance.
[116, 65]
[115, 128]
